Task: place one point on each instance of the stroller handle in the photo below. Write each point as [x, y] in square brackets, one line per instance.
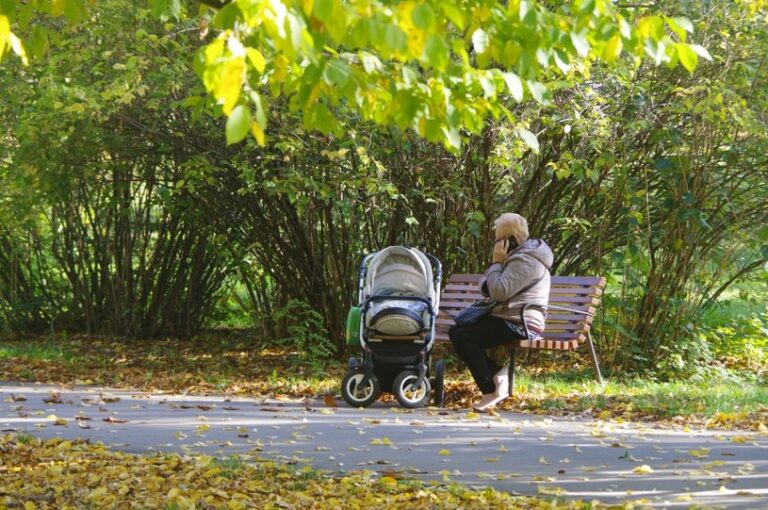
[438, 267]
[361, 276]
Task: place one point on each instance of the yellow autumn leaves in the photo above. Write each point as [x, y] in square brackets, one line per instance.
[57, 474]
[9, 40]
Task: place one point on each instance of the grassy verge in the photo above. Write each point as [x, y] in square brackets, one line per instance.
[723, 402]
[48, 351]
[242, 367]
[37, 474]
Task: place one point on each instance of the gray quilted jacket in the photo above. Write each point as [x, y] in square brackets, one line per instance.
[502, 282]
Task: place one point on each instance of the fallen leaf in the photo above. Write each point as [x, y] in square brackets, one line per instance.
[112, 419]
[388, 481]
[700, 453]
[54, 397]
[645, 469]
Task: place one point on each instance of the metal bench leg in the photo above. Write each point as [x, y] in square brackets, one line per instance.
[512, 359]
[593, 355]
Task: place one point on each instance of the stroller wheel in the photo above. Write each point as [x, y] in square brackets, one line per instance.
[405, 392]
[360, 389]
[439, 384]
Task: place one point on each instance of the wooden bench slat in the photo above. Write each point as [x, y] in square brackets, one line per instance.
[598, 281]
[451, 311]
[564, 316]
[472, 278]
[578, 334]
[540, 343]
[452, 288]
[450, 296]
[581, 304]
[559, 345]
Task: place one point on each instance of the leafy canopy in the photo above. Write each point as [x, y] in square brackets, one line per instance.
[438, 67]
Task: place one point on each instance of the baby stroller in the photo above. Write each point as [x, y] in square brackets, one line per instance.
[394, 323]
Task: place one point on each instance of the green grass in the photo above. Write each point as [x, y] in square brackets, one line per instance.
[645, 397]
[34, 351]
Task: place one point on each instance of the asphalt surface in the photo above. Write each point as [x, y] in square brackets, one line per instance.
[530, 455]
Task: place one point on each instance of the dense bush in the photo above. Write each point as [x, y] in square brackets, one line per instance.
[123, 209]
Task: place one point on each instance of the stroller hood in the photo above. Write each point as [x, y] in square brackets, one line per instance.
[400, 271]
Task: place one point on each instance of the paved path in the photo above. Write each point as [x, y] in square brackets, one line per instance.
[525, 454]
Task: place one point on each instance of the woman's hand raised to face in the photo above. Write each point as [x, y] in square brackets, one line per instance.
[500, 250]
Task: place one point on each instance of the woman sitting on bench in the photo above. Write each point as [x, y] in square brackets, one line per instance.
[518, 276]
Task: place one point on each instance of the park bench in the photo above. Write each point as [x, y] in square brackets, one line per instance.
[573, 301]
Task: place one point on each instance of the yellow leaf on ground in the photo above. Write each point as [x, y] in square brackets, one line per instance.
[552, 491]
[700, 453]
[645, 469]
[389, 481]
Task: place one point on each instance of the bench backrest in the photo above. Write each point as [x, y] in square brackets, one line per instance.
[563, 330]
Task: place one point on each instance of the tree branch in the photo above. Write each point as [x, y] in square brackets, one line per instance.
[746, 269]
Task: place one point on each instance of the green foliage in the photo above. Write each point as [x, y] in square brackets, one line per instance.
[101, 234]
[439, 68]
[737, 330]
[306, 334]
[128, 205]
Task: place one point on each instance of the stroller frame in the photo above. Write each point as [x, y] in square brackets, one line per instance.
[413, 368]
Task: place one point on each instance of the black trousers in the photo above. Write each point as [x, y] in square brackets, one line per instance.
[471, 342]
